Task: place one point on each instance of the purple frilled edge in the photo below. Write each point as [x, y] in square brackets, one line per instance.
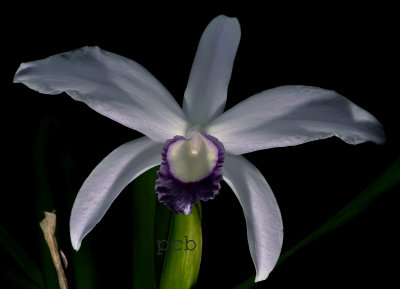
[181, 196]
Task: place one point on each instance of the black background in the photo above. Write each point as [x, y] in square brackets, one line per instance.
[349, 50]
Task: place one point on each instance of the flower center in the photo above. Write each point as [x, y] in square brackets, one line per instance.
[192, 159]
[190, 171]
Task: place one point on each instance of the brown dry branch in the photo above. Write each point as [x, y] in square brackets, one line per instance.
[48, 225]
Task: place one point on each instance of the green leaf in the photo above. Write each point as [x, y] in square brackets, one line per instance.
[44, 198]
[247, 284]
[84, 269]
[182, 251]
[383, 183]
[16, 278]
[387, 180]
[144, 206]
[27, 265]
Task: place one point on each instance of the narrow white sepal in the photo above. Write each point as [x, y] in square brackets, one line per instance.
[207, 88]
[263, 217]
[112, 85]
[107, 180]
[291, 115]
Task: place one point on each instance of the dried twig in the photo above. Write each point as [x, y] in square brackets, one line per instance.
[48, 225]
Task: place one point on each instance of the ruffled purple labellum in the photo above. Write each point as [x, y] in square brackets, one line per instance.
[191, 171]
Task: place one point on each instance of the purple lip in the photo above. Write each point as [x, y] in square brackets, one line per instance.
[181, 196]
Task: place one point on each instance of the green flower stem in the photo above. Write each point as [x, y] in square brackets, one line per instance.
[182, 251]
[161, 232]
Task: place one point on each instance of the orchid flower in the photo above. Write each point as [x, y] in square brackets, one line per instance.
[199, 145]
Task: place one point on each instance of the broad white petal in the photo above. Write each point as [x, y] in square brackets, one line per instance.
[292, 115]
[107, 180]
[263, 218]
[205, 95]
[112, 85]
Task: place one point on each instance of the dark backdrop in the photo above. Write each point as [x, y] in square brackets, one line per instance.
[351, 51]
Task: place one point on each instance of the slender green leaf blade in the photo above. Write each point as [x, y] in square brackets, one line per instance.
[383, 183]
[26, 263]
[387, 180]
[144, 204]
[183, 251]
[44, 197]
[247, 284]
[84, 269]
[17, 279]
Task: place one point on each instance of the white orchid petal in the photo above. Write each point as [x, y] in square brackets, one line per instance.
[112, 85]
[206, 92]
[263, 218]
[107, 180]
[292, 115]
